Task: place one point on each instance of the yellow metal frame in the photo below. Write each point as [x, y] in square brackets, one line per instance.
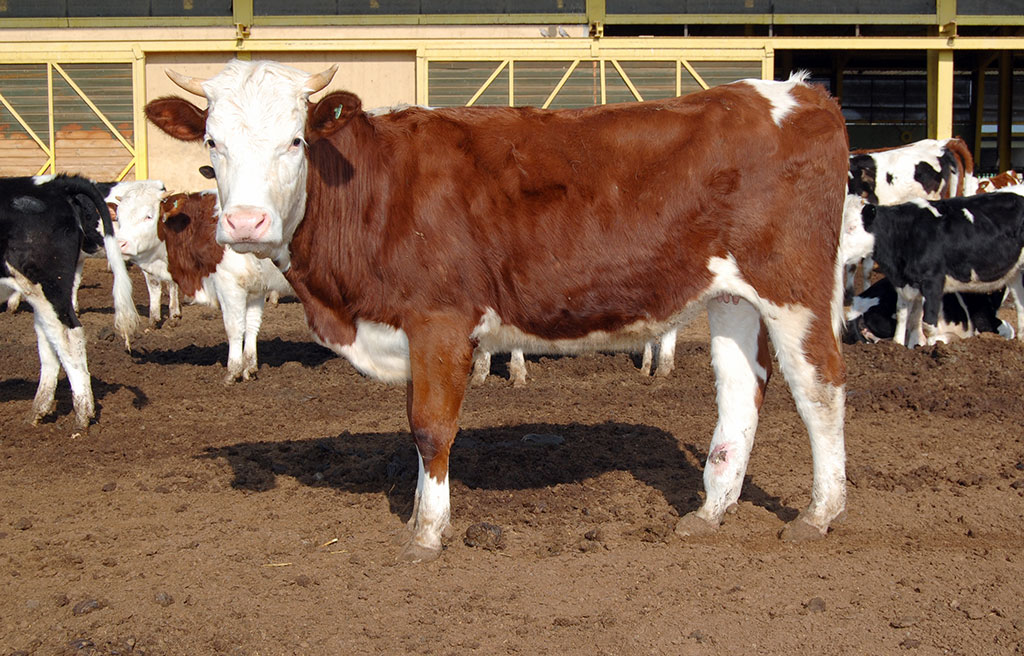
[49, 147]
[509, 64]
[608, 51]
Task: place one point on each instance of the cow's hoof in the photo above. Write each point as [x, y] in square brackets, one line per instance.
[800, 530]
[692, 525]
[414, 552]
[230, 379]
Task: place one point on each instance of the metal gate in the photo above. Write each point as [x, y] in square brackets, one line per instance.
[75, 116]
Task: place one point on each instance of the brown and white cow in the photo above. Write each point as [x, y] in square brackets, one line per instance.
[414, 236]
[172, 240]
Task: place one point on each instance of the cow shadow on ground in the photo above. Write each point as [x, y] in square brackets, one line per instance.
[272, 353]
[522, 457]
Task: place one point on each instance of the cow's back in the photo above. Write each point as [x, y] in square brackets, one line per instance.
[566, 222]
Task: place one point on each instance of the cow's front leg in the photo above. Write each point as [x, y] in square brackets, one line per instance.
[232, 301]
[253, 320]
[173, 304]
[739, 356]
[155, 309]
[440, 356]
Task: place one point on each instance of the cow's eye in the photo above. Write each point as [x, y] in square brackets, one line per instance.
[210, 143]
[296, 142]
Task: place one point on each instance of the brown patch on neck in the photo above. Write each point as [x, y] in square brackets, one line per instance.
[188, 226]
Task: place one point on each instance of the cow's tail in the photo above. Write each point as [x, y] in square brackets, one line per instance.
[126, 316]
[963, 164]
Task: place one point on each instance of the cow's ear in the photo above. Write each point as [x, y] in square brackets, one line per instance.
[333, 112]
[178, 118]
[867, 216]
[113, 211]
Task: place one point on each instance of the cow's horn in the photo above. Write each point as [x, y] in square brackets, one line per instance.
[190, 84]
[318, 81]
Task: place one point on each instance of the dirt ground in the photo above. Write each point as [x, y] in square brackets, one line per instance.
[258, 519]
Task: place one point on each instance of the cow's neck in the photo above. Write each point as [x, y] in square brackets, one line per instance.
[331, 252]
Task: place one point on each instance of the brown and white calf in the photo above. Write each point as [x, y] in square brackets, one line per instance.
[173, 240]
[415, 236]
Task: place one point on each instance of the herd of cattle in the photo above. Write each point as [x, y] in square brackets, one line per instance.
[420, 241]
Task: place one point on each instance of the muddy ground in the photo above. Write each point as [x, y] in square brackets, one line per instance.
[257, 519]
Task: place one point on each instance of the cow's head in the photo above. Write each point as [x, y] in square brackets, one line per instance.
[255, 126]
[135, 208]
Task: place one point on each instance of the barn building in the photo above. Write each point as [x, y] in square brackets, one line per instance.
[75, 74]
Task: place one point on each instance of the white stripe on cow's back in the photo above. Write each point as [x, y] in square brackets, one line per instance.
[925, 205]
[780, 94]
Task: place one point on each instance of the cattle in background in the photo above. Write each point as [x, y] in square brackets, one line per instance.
[872, 315]
[140, 199]
[996, 182]
[928, 248]
[665, 346]
[930, 169]
[173, 239]
[46, 223]
[415, 236]
[96, 225]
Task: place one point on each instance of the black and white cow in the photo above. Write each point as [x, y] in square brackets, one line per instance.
[930, 169]
[928, 248]
[872, 315]
[126, 317]
[46, 223]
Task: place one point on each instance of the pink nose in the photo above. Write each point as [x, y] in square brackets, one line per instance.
[246, 223]
[124, 245]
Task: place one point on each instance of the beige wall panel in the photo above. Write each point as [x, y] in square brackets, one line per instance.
[379, 78]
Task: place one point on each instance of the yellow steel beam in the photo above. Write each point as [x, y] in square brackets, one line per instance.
[561, 83]
[625, 78]
[940, 94]
[24, 124]
[535, 49]
[696, 76]
[139, 99]
[49, 113]
[487, 83]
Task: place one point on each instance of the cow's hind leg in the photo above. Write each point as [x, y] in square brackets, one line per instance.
[49, 369]
[60, 345]
[1016, 287]
[739, 357]
[808, 355]
[517, 368]
[667, 353]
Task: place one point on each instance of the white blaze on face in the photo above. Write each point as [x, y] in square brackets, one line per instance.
[138, 209]
[254, 131]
